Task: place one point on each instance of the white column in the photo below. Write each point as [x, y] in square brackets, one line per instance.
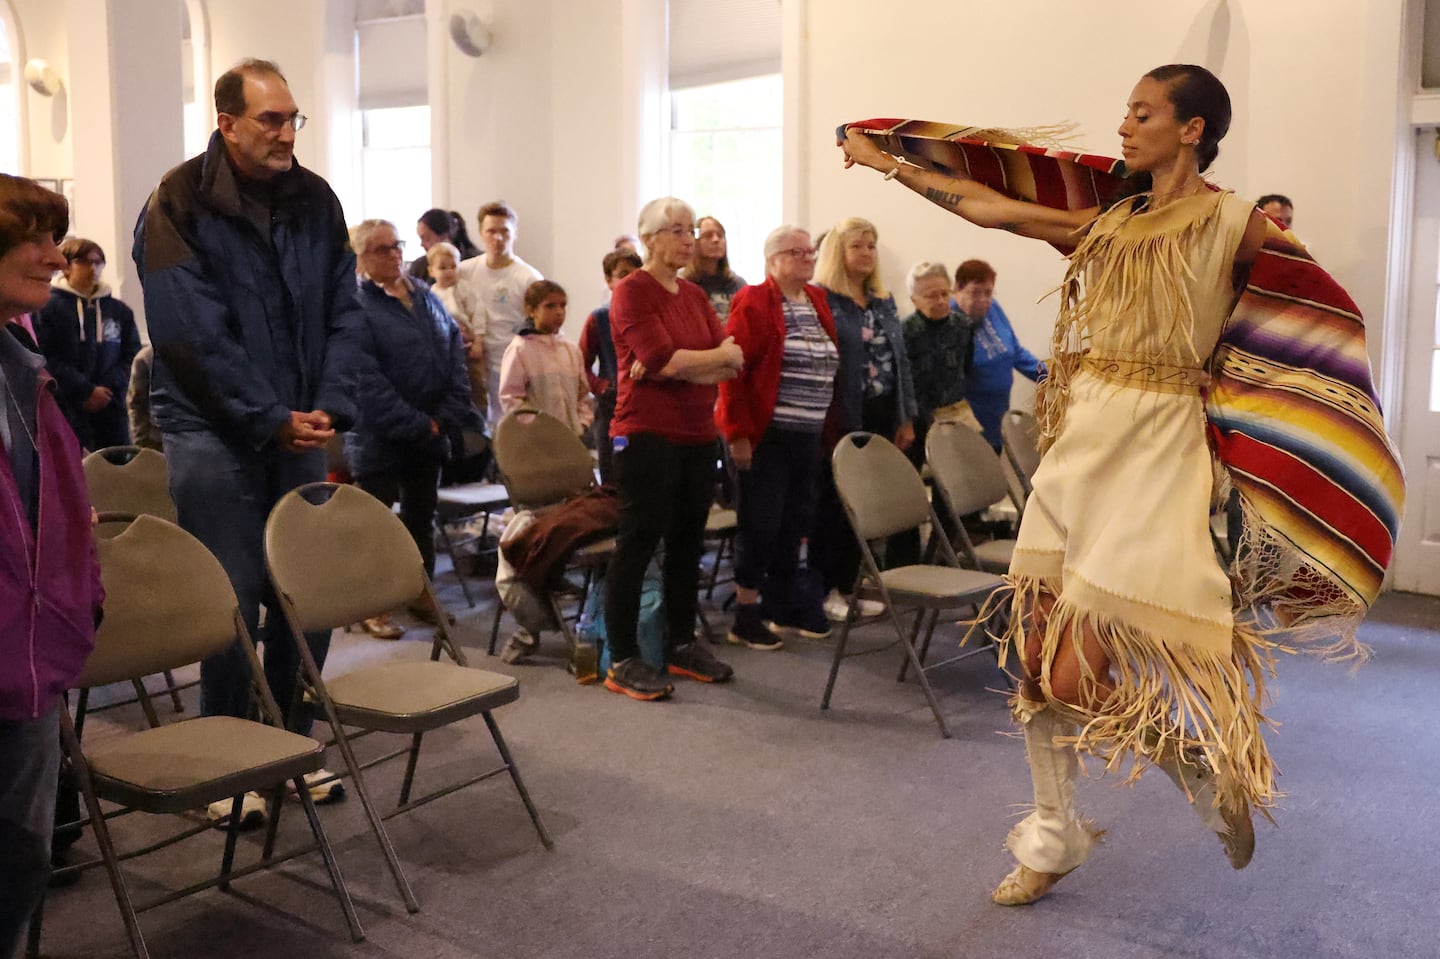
[127, 120]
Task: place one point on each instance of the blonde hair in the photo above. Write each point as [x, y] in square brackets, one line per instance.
[921, 271]
[830, 268]
[439, 248]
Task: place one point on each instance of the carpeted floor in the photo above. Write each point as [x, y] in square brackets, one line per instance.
[740, 821]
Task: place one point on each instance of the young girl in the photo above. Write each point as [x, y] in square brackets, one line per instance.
[543, 370]
[443, 260]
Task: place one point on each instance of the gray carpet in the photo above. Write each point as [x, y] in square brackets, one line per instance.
[740, 821]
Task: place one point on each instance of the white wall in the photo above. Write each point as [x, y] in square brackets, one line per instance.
[1313, 82]
[42, 29]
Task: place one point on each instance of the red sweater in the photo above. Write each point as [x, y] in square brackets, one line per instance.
[757, 321]
[649, 323]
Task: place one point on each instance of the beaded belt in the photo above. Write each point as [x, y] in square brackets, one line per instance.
[1147, 374]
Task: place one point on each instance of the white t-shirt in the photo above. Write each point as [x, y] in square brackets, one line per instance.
[500, 297]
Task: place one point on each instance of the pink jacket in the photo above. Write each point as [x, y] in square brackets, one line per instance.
[50, 592]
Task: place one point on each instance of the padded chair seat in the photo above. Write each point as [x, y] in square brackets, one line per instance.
[995, 555]
[416, 696]
[198, 761]
[930, 586]
[476, 496]
[721, 521]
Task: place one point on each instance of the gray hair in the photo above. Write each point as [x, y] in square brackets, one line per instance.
[921, 271]
[360, 233]
[658, 214]
[774, 243]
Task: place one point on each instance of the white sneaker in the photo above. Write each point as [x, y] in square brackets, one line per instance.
[252, 812]
[326, 792]
[837, 607]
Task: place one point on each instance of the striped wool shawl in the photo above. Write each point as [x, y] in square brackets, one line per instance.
[1291, 408]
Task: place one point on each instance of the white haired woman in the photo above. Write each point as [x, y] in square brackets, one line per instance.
[671, 351]
[772, 416]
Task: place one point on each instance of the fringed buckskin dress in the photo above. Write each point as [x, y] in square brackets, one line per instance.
[1117, 528]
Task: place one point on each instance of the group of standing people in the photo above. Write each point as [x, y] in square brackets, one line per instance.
[817, 350]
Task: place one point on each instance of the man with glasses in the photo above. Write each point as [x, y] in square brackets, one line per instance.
[252, 307]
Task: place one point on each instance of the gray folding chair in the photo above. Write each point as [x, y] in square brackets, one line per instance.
[168, 604]
[131, 481]
[337, 555]
[970, 478]
[884, 495]
[543, 464]
[1020, 435]
[459, 504]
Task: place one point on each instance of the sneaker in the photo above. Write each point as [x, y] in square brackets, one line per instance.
[325, 792]
[695, 661]
[748, 630]
[813, 625]
[520, 644]
[637, 679]
[837, 607]
[381, 627]
[252, 812]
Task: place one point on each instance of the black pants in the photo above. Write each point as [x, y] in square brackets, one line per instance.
[776, 507]
[414, 485]
[665, 493]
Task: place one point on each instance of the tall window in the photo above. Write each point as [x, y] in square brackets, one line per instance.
[10, 80]
[395, 168]
[725, 161]
[390, 56]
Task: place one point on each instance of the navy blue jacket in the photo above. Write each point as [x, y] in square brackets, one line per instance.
[850, 379]
[101, 356]
[247, 327]
[414, 372]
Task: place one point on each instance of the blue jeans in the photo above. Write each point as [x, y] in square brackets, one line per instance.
[223, 493]
[29, 765]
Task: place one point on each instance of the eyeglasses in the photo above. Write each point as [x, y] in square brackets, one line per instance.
[273, 122]
[676, 230]
[799, 252]
[96, 262]
[397, 247]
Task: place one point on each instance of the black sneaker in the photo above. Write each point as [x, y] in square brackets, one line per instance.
[748, 630]
[695, 661]
[637, 679]
[811, 625]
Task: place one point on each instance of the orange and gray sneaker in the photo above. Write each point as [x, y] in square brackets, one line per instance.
[637, 679]
[694, 660]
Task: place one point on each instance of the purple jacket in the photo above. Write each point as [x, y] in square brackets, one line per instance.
[50, 592]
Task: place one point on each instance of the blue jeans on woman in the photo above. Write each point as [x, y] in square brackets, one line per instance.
[29, 765]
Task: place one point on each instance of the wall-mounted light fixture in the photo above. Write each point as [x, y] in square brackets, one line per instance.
[472, 35]
[43, 78]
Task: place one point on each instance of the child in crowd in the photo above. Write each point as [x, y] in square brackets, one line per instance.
[598, 351]
[443, 261]
[543, 370]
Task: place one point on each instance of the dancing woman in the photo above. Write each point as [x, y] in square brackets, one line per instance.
[1132, 641]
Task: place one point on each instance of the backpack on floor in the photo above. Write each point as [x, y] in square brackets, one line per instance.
[649, 633]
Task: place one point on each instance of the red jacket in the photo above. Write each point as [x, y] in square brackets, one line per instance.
[757, 321]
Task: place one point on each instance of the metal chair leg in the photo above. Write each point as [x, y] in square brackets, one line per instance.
[103, 840]
[174, 690]
[545, 839]
[914, 635]
[336, 880]
[495, 626]
[454, 562]
[840, 648]
[377, 826]
[410, 764]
